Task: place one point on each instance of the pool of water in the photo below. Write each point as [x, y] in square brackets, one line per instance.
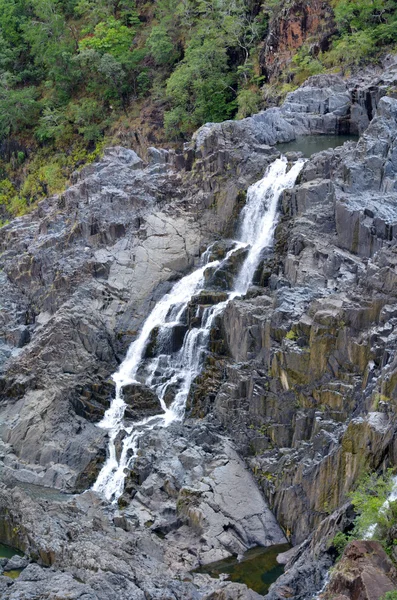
[310, 144]
[258, 569]
[38, 492]
[8, 552]
[12, 574]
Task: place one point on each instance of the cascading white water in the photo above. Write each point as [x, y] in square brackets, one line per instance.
[176, 371]
[258, 217]
[111, 478]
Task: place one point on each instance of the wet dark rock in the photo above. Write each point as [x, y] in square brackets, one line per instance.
[223, 276]
[141, 401]
[92, 400]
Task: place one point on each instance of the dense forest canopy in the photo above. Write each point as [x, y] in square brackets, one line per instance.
[72, 69]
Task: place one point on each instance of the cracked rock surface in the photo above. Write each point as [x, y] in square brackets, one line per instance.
[299, 389]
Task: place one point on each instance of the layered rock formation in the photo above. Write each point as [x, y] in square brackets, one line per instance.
[308, 392]
[301, 377]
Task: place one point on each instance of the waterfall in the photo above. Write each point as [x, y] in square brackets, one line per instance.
[174, 371]
[317, 595]
[258, 217]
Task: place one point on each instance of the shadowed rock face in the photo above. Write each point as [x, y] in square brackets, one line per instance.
[301, 374]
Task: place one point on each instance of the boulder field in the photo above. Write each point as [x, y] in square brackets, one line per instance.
[298, 393]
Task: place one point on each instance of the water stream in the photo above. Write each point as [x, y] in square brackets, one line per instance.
[173, 371]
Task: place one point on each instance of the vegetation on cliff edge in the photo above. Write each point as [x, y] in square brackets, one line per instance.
[74, 73]
[376, 511]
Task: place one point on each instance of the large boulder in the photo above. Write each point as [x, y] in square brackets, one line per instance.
[364, 571]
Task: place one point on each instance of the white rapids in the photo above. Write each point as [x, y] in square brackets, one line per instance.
[174, 372]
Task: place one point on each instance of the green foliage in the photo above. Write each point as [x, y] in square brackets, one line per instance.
[110, 37]
[51, 44]
[206, 85]
[390, 595]
[356, 15]
[46, 180]
[304, 65]
[248, 102]
[52, 125]
[87, 116]
[364, 27]
[49, 62]
[376, 514]
[291, 335]
[161, 46]
[351, 49]
[95, 11]
[340, 542]
[18, 107]
[7, 192]
[200, 87]
[46, 175]
[369, 500]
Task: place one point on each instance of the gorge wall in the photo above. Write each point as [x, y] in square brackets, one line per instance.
[300, 381]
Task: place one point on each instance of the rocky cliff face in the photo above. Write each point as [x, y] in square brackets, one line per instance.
[296, 24]
[301, 377]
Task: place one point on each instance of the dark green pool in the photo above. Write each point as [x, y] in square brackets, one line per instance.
[310, 144]
[8, 552]
[258, 569]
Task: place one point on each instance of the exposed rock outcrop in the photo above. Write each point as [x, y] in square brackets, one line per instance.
[308, 394]
[364, 571]
[296, 24]
[301, 375]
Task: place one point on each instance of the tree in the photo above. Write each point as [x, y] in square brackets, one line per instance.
[96, 11]
[200, 88]
[111, 37]
[19, 108]
[364, 26]
[52, 44]
[161, 46]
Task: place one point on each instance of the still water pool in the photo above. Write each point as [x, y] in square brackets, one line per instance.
[258, 569]
[7, 552]
[310, 144]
